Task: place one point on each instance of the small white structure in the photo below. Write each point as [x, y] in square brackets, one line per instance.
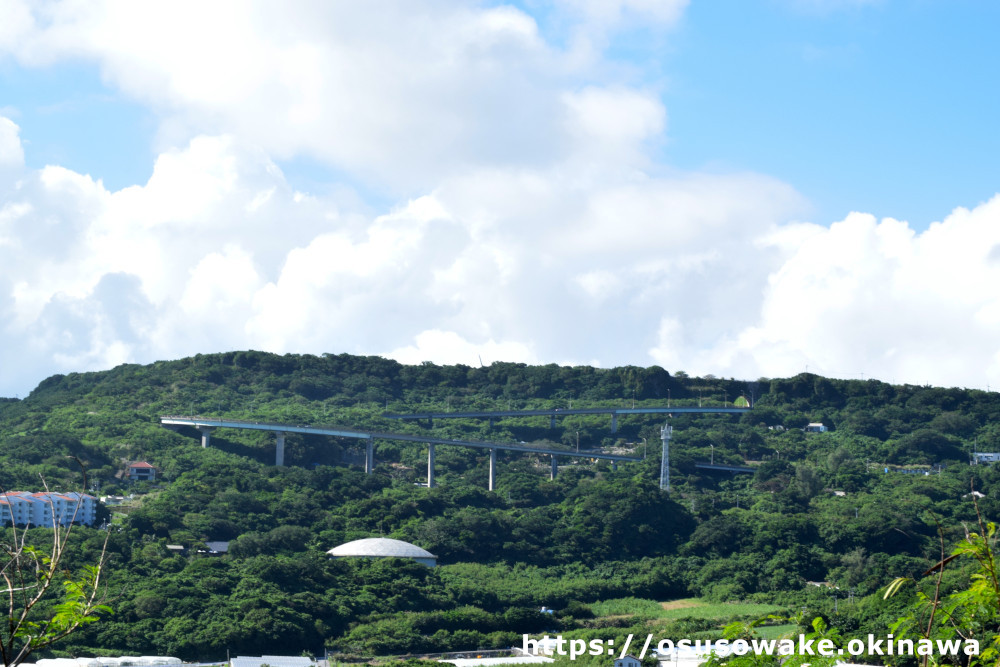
[687, 656]
[273, 661]
[986, 457]
[383, 547]
[103, 661]
[500, 662]
[628, 660]
[814, 427]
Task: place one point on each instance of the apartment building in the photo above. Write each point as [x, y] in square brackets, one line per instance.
[24, 508]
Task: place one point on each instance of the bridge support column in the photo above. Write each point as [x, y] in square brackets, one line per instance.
[552, 421]
[206, 435]
[369, 455]
[614, 465]
[555, 468]
[279, 449]
[493, 422]
[614, 422]
[493, 469]
[430, 465]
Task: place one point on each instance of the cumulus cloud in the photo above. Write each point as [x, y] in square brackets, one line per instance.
[531, 221]
[11, 153]
[873, 298]
[447, 347]
[398, 93]
[90, 277]
[570, 262]
[216, 251]
[614, 126]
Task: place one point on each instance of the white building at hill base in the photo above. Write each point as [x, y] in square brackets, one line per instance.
[46, 509]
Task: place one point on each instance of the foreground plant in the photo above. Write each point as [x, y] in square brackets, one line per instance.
[45, 602]
[970, 616]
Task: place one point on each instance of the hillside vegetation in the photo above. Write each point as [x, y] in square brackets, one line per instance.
[820, 507]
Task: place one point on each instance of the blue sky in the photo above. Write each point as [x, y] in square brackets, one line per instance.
[69, 117]
[881, 107]
[450, 180]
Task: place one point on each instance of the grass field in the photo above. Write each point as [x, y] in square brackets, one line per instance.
[777, 631]
[720, 610]
[686, 608]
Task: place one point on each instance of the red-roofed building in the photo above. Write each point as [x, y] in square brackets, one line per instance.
[140, 471]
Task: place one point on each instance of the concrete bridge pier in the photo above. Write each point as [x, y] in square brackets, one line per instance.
[555, 468]
[430, 465]
[206, 435]
[614, 465]
[493, 470]
[369, 455]
[552, 421]
[279, 449]
[614, 422]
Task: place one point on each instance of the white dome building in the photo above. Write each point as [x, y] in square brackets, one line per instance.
[383, 547]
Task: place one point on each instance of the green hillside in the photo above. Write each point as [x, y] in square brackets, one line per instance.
[821, 507]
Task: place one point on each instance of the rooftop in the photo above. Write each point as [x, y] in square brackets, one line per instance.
[382, 547]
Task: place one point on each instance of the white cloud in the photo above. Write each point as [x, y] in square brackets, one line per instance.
[875, 298]
[593, 21]
[613, 11]
[532, 223]
[217, 252]
[88, 275]
[398, 93]
[614, 126]
[669, 348]
[11, 153]
[571, 262]
[447, 347]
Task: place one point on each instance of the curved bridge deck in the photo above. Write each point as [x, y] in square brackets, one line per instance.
[208, 424]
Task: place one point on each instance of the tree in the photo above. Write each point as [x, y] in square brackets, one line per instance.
[970, 615]
[45, 602]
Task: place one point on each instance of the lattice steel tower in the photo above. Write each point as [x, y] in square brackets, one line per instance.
[665, 432]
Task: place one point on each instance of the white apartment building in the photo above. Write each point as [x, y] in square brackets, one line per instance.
[24, 508]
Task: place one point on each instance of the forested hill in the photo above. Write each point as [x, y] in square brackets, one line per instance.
[837, 506]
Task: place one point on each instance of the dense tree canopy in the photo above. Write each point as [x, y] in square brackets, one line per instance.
[855, 506]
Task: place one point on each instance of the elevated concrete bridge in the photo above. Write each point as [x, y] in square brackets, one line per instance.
[206, 425]
[725, 468]
[554, 413]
